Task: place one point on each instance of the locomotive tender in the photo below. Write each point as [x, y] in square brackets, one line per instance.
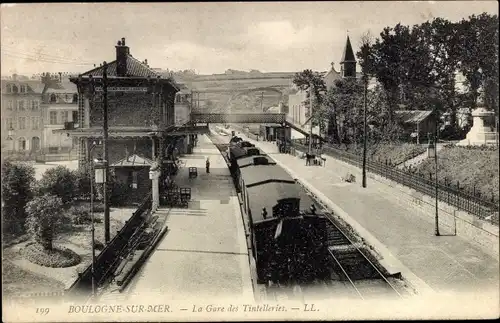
[288, 238]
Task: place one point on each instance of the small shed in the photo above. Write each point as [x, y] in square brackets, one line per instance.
[132, 174]
[416, 123]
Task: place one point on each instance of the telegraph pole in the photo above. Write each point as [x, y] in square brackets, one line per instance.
[261, 101]
[105, 148]
[310, 116]
[436, 186]
[364, 130]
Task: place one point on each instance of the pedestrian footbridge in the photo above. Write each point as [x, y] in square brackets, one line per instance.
[261, 118]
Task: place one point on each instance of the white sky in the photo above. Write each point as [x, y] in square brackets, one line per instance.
[206, 37]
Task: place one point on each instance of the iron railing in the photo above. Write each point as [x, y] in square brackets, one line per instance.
[483, 209]
[108, 257]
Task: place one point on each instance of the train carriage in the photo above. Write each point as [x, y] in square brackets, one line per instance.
[287, 242]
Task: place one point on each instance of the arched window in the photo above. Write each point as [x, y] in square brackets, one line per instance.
[9, 88]
[14, 89]
[35, 143]
[53, 98]
[21, 143]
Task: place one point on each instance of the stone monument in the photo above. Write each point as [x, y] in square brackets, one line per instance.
[483, 130]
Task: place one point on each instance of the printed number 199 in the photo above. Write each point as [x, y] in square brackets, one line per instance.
[42, 310]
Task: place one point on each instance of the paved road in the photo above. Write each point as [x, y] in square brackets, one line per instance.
[446, 264]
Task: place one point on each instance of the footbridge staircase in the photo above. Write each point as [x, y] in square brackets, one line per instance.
[260, 118]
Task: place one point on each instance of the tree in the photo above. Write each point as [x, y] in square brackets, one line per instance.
[59, 181]
[344, 104]
[478, 52]
[44, 214]
[392, 60]
[17, 190]
[303, 80]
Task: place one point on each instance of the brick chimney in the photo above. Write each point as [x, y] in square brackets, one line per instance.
[122, 52]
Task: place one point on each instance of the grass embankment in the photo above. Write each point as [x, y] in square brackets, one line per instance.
[394, 153]
[470, 166]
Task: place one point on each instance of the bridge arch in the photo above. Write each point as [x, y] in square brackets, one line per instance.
[257, 89]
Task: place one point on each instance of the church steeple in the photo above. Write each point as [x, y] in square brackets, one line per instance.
[348, 63]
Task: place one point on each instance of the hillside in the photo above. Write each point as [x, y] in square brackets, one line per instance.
[470, 166]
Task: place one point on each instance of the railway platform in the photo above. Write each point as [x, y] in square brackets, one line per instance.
[443, 265]
[204, 254]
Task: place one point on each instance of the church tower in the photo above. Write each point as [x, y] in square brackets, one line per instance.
[348, 63]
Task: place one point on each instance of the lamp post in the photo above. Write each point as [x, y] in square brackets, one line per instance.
[365, 81]
[432, 153]
[310, 116]
[105, 150]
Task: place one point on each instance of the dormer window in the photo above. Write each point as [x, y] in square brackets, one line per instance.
[23, 89]
[9, 88]
[53, 98]
[14, 89]
[75, 98]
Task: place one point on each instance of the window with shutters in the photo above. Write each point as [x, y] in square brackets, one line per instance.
[35, 123]
[64, 116]
[22, 143]
[20, 105]
[22, 123]
[10, 124]
[53, 117]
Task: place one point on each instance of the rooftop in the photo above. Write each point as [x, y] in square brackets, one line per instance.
[412, 116]
[258, 174]
[133, 161]
[134, 68]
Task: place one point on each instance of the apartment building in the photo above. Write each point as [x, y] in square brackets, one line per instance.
[21, 115]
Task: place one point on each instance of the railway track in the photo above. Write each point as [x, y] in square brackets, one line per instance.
[353, 272]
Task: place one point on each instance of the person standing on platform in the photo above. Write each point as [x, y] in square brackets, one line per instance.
[207, 166]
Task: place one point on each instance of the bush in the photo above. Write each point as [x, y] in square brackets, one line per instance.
[44, 215]
[82, 183]
[55, 258]
[18, 181]
[59, 181]
[98, 245]
[81, 214]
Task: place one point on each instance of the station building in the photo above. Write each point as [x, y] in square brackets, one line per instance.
[142, 129]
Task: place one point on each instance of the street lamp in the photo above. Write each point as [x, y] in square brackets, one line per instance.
[284, 136]
[432, 153]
